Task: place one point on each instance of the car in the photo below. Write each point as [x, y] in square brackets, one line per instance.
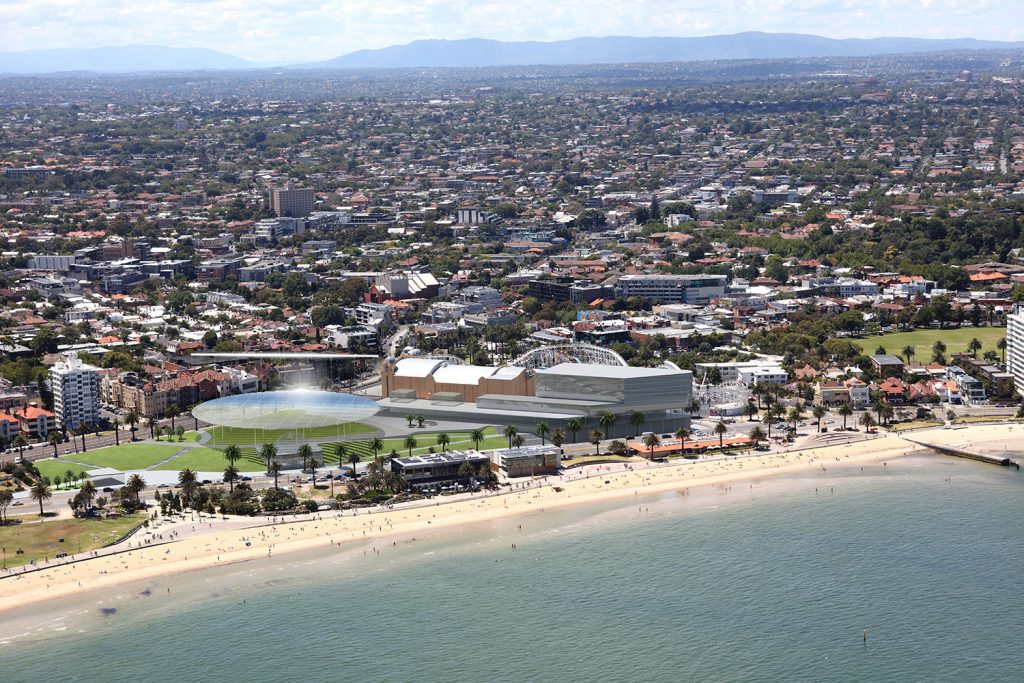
[163, 486]
[107, 489]
[246, 479]
[17, 503]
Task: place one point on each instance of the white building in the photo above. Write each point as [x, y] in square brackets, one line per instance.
[669, 289]
[76, 392]
[1015, 346]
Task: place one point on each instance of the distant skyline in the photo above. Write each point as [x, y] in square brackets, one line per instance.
[295, 31]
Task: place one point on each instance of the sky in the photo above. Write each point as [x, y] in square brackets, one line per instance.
[295, 31]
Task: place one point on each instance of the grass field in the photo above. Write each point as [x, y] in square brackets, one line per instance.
[40, 540]
[51, 468]
[127, 456]
[211, 460]
[956, 341]
[424, 440]
[227, 436]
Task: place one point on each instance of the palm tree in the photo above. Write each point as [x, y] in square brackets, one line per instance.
[768, 418]
[135, 485]
[819, 412]
[41, 492]
[20, 443]
[720, 430]
[756, 435]
[353, 459]
[543, 429]
[173, 412]
[188, 482]
[305, 451]
[312, 464]
[694, 406]
[410, 443]
[410, 419]
[595, 438]
[151, 423]
[53, 438]
[939, 352]
[420, 420]
[81, 430]
[908, 353]
[652, 441]
[796, 414]
[846, 410]
[510, 432]
[131, 419]
[116, 421]
[518, 440]
[443, 440]
[606, 420]
[636, 418]
[274, 469]
[230, 477]
[867, 420]
[477, 435]
[233, 454]
[750, 410]
[88, 492]
[682, 434]
[376, 445]
[267, 453]
[974, 346]
[1001, 345]
[558, 437]
[574, 425]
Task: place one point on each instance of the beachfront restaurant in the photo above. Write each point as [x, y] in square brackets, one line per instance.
[432, 470]
[527, 461]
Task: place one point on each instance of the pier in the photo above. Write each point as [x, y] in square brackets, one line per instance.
[1001, 460]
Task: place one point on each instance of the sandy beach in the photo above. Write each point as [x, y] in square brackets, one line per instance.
[222, 546]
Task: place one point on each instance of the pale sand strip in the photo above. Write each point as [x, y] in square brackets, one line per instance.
[223, 547]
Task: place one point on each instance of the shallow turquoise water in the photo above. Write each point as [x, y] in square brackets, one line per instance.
[770, 581]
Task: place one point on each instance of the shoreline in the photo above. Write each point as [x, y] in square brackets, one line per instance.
[224, 547]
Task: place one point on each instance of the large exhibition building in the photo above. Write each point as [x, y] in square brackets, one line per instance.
[522, 396]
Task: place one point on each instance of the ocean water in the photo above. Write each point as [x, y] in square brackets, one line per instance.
[771, 580]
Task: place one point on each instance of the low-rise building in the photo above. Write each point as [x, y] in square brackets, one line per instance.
[441, 469]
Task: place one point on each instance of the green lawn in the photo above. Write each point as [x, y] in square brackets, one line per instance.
[424, 440]
[51, 468]
[211, 460]
[955, 339]
[41, 540]
[126, 456]
[226, 436]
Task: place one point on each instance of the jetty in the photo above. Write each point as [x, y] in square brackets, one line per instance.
[1001, 460]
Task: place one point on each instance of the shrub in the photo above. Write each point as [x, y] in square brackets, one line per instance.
[310, 505]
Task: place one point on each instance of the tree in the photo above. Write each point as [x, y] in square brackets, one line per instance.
[510, 432]
[410, 419]
[410, 443]
[973, 347]
[151, 423]
[1001, 345]
[574, 425]
[595, 438]
[6, 498]
[172, 412]
[768, 419]
[188, 482]
[132, 419]
[41, 492]
[232, 454]
[274, 469]
[53, 438]
[376, 445]
[267, 453]
[636, 418]
[477, 435]
[420, 420]
[796, 413]
[558, 437]
[720, 431]
[353, 460]
[819, 412]
[543, 429]
[682, 434]
[750, 410]
[846, 410]
[867, 420]
[518, 441]
[135, 486]
[443, 440]
[757, 435]
[20, 443]
[652, 441]
[305, 451]
[606, 420]
[81, 430]
[939, 352]
[230, 477]
[908, 353]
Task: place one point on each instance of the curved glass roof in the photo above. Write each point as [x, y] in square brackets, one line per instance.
[299, 409]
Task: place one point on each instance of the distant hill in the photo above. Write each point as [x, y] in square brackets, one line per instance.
[125, 59]
[477, 52]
